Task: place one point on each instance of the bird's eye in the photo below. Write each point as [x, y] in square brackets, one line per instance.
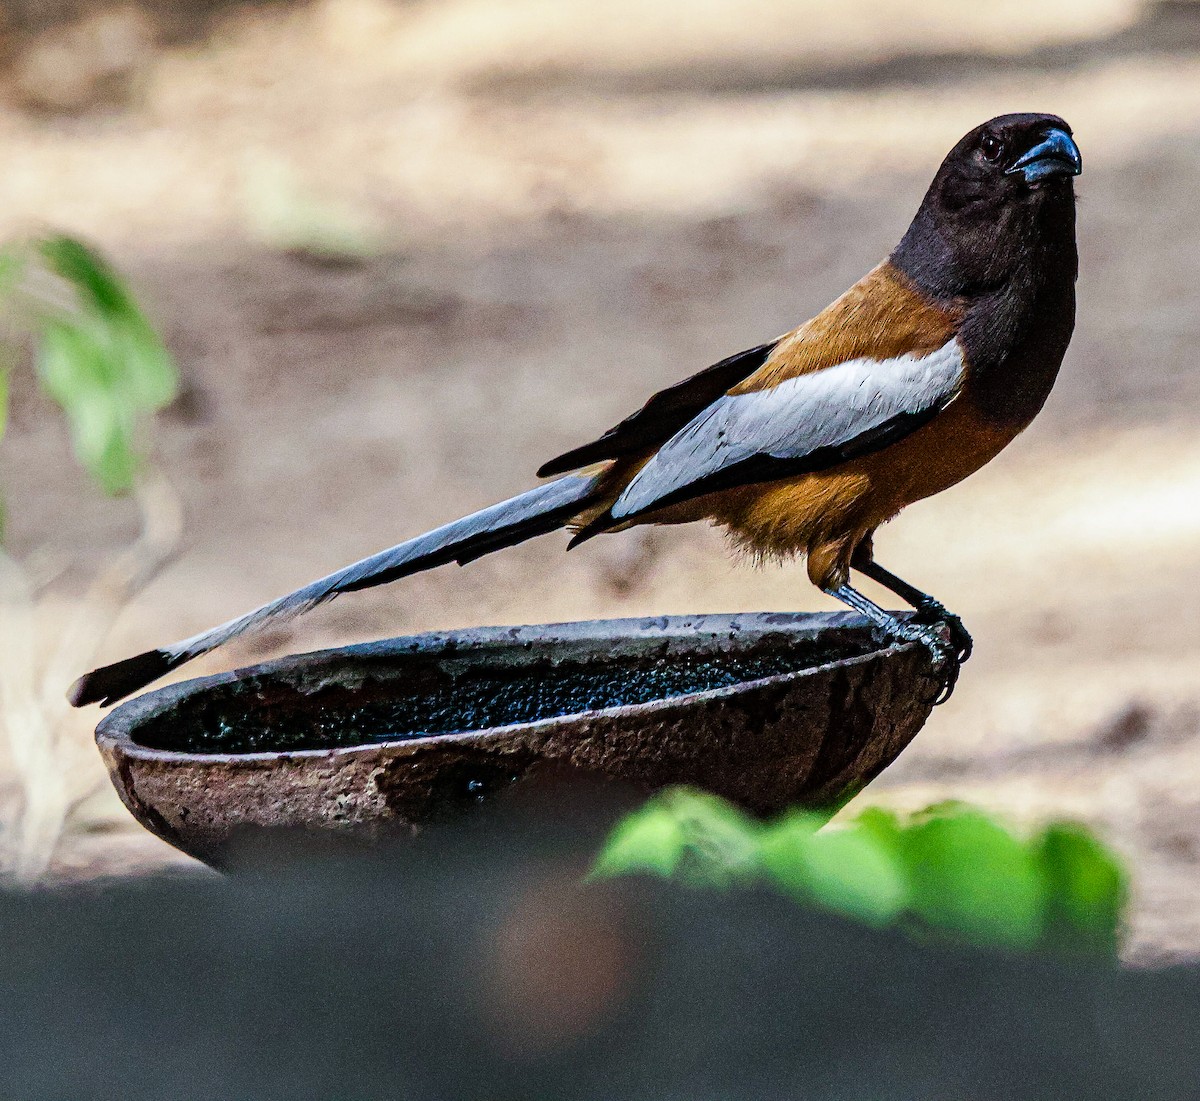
[992, 148]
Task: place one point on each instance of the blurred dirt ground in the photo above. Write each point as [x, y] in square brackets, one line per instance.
[557, 209]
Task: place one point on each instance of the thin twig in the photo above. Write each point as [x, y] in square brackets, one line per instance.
[30, 734]
[32, 703]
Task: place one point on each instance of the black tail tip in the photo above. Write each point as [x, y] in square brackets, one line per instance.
[114, 682]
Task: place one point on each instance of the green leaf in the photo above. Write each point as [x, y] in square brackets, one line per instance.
[847, 869]
[87, 272]
[1086, 891]
[970, 877]
[700, 839]
[149, 377]
[883, 825]
[649, 840]
[134, 358]
[102, 363]
[75, 371]
[949, 869]
[721, 841]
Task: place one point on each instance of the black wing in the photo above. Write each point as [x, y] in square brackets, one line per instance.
[665, 413]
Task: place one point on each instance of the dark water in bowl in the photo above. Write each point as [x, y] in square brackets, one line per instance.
[272, 716]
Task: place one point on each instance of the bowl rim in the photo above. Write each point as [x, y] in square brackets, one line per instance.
[114, 731]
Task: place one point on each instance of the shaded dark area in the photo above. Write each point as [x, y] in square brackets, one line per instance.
[477, 701]
[475, 965]
[74, 57]
[177, 22]
[1166, 27]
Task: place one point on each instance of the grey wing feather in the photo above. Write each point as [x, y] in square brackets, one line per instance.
[813, 414]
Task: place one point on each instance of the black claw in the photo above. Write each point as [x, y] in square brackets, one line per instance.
[933, 612]
[946, 659]
[952, 670]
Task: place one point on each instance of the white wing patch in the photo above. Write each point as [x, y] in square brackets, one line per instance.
[830, 408]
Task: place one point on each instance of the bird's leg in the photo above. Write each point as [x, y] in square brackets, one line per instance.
[929, 609]
[945, 655]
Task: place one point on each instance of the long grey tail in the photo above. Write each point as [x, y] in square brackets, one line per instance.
[541, 510]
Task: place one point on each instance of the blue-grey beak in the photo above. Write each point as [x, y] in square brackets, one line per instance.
[1058, 155]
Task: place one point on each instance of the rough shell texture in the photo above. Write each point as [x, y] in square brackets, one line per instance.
[839, 712]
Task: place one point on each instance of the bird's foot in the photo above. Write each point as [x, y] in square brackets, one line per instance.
[947, 649]
[933, 612]
[945, 653]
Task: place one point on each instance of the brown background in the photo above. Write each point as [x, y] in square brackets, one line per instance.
[572, 205]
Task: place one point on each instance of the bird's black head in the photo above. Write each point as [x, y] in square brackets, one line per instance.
[1002, 196]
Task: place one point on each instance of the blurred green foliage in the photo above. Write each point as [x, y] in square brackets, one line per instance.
[949, 870]
[97, 356]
